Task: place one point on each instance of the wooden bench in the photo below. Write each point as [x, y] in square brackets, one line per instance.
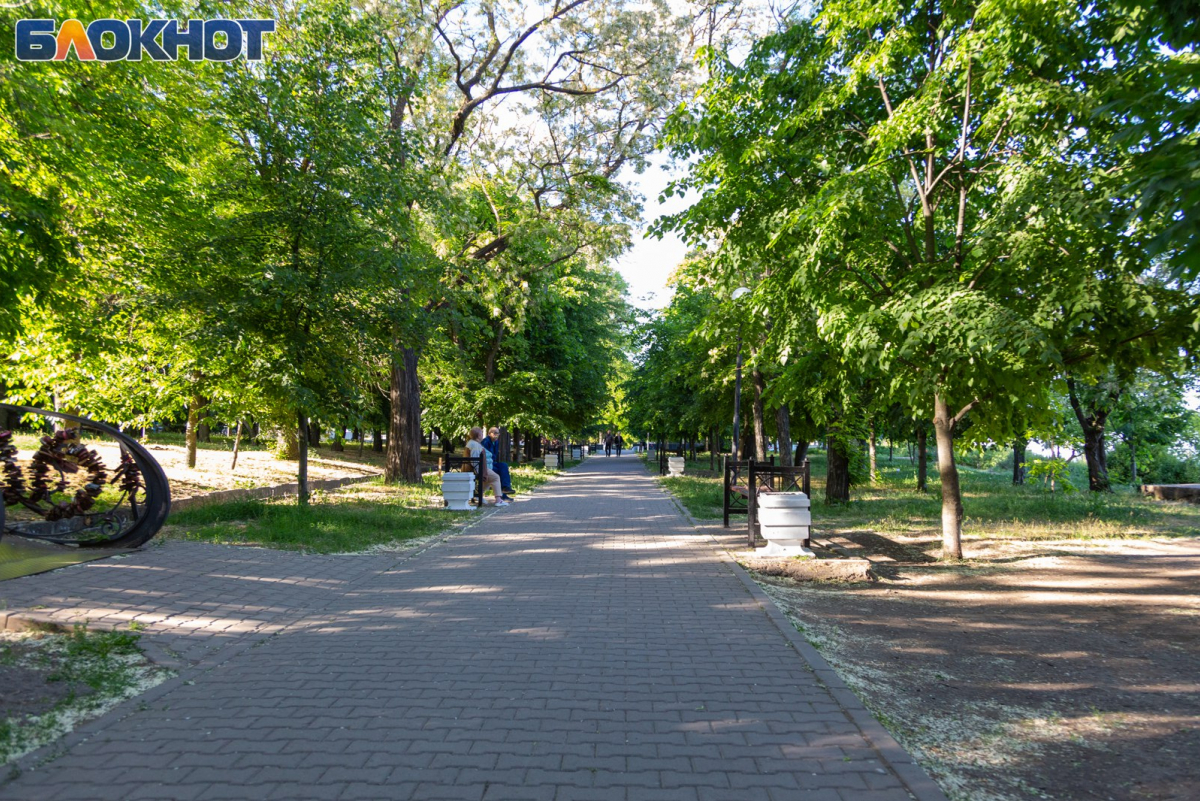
[473, 464]
[745, 481]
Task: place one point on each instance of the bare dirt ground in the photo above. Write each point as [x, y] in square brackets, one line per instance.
[256, 467]
[54, 681]
[1063, 670]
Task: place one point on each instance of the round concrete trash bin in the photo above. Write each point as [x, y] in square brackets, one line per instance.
[785, 520]
[457, 490]
[675, 465]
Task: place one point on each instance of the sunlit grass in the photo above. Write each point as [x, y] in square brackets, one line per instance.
[356, 517]
[994, 507]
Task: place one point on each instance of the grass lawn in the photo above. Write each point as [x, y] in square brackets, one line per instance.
[994, 507]
[353, 518]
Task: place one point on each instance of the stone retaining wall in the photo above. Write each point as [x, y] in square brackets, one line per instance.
[1173, 492]
[279, 490]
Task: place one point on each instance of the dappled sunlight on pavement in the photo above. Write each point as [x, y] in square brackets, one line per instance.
[583, 643]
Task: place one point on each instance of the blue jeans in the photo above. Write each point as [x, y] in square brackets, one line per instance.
[501, 469]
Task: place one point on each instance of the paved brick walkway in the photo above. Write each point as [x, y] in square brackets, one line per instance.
[586, 643]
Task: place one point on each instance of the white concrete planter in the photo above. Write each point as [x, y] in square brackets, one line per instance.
[458, 489]
[575, 452]
[675, 465]
[785, 519]
[550, 460]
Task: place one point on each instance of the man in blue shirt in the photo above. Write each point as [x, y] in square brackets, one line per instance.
[492, 443]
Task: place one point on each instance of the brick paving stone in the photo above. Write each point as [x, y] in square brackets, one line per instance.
[585, 643]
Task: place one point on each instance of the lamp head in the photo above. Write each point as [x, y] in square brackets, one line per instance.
[740, 292]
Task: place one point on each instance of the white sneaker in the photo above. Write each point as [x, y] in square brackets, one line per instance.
[500, 503]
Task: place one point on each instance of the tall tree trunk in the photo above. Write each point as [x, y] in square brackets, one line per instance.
[377, 440]
[1092, 420]
[952, 508]
[237, 444]
[801, 452]
[338, 443]
[404, 427]
[760, 429]
[1019, 445]
[314, 432]
[922, 458]
[1133, 478]
[192, 433]
[713, 447]
[783, 424]
[504, 444]
[302, 468]
[837, 475]
[871, 454]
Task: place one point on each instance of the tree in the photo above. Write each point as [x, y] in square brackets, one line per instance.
[597, 74]
[1150, 415]
[909, 168]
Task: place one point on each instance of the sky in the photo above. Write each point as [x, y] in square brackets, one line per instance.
[648, 264]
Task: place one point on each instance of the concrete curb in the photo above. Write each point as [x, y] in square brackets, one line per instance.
[911, 774]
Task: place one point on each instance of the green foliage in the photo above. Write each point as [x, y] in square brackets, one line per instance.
[1054, 474]
[683, 374]
[258, 240]
[931, 205]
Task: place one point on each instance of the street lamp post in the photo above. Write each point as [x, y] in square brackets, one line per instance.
[737, 401]
[738, 293]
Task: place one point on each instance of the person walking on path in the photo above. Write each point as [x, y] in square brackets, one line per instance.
[491, 478]
[620, 443]
[492, 444]
[608, 443]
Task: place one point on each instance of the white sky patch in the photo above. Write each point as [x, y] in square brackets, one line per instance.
[650, 262]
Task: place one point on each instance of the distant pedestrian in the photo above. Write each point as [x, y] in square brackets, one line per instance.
[608, 443]
[620, 444]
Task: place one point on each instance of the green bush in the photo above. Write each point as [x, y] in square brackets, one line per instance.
[1156, 465]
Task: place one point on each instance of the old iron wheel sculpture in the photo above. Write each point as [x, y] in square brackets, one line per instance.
[130, 521]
